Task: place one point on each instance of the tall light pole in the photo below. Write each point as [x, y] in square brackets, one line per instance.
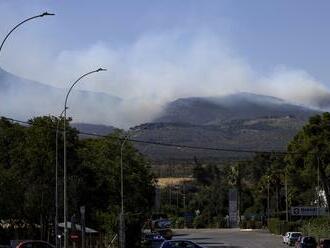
[268, 200]
[318, 186]
[64, 155]
[122, 218]
[56, 180]
[19, 24]
[286, 197]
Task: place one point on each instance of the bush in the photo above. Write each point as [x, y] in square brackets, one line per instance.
[280, 227]
[317, 227]
[250, 224]
[199, 222]
[179, 222]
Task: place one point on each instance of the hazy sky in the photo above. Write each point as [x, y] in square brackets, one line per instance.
[159, 50]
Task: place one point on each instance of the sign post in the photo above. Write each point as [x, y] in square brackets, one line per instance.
[83, 226]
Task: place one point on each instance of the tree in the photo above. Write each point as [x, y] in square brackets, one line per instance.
[100, 191]
[310, 151]
[12, 137]
[27, 172]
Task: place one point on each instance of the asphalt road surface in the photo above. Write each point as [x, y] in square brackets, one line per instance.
[234, 238]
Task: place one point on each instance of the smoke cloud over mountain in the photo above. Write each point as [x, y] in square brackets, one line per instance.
[153, 70]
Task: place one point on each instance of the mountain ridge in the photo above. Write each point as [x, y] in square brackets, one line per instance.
[211, 110]
[237, 121]
[24, 99]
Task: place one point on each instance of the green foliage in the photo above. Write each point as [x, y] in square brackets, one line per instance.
[318, 227]
[278, 226]
[178, 222]
[251, 224]
[27, 172]
[205, 175]
[211, 198]
[263, 179]
[201, 221]
[310, 151]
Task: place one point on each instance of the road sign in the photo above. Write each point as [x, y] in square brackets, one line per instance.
[74, 236]
[307, 211]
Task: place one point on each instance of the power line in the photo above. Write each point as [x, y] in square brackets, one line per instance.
[169, 144]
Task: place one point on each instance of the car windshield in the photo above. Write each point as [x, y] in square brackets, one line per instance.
[295, 235]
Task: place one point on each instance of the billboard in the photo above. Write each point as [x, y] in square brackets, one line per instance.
[307, 211]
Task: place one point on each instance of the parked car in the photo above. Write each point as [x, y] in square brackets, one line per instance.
[159, 223]
[286, 237]
[34, 244]
[179, 244]
[306, 242]
[153, 240]
[324, 243]
[290, 238]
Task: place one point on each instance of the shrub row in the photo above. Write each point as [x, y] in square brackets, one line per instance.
[317, 227]
[277, 226]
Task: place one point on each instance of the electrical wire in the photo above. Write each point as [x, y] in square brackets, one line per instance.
[169, 144]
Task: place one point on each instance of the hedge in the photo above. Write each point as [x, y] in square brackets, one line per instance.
[277, 226]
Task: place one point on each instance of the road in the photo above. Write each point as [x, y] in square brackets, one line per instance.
[234, 238]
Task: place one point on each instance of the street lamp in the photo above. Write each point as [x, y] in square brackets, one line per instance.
[56, 180]
[19, 24]
[122, 219]
[64, 155]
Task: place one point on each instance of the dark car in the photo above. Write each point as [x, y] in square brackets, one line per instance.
[163, 227]
[324, 243]
[179, 244]
[34, 244]
[306, 242]
[153, 240]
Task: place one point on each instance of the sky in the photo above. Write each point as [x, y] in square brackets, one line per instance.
[156, 51]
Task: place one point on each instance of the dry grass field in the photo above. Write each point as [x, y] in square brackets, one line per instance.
[172, 181]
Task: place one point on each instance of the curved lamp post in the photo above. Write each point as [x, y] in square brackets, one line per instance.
[56, 180]
[122, 219]
[19, 24]
[64, 160]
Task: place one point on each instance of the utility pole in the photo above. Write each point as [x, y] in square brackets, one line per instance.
[83, 226]
[286, 198]
[268, 202]
[122, 230]
[318, 186]
[184, 204]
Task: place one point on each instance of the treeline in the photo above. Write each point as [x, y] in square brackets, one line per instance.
[27, 180]
[261, 182]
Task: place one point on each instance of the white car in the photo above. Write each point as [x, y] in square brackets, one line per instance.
[286, 237]
[290, 238]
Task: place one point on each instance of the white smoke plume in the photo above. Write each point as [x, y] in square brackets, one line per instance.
[153, 70]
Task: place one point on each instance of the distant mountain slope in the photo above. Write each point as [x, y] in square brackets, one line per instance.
[93, 129]
[239, 121]
[23, 99]
[213, 110]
